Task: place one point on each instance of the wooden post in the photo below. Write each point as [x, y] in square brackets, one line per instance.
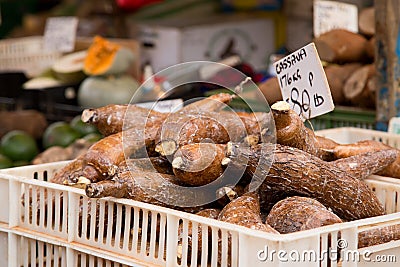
[387, 22]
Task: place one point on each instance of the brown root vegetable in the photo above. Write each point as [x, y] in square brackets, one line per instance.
[366, 21]
[69, 173]
[191, 124]
[291, 131]
[378, 236]
[127, 184]
[228, 193]
[212, 103]
[218, 127]
[199, 163]
[337, 76]
[341, 46]
[105, 155]
[271, 90]
[360, 88]
[30, 121]
[270, 195]
[363, 165]
[53, 154]
[107, 188]
[297, 171]
[370, 49]
[296, 213]
[158, 164]
[365, 146]
[326, 145]
[110, 119]
[245, 211]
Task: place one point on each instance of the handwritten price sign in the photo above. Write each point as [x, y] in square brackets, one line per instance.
[303, 82]
[330, 15]
[60, 33]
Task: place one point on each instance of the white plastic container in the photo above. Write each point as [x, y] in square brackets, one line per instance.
[26, 54]
[53, 225]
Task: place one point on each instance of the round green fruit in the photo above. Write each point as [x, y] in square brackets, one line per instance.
[93, 137]
[59, 133]
[5, 162]
[18, 145]
[81, 127]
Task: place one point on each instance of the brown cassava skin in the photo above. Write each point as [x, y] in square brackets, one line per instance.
[199, 163]
[158, 164]
[341, 46]
[125, 185]
[105, 155]
[296, 213]
[297, 171]
[99, 162]
[270, 195]
[212, 103]
[337, 75]
[245, 211]
[291, 131]
[360, 87]
[228, 193]
[219, 127]
[378, 236]
[365, 164]
[69, 172]
[359, 166]
[110, 119]
[348, 150]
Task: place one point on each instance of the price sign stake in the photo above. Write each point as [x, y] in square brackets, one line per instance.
[303, 82]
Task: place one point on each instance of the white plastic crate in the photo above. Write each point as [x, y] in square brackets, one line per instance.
[69, 229]
[26, 54]
[346, 135]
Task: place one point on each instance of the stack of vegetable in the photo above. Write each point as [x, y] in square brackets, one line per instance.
[350, 56]
[63, 140]
[107, 64]
[349, 64]
[308, 182]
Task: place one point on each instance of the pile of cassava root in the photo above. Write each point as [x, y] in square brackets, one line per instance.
[309, 181]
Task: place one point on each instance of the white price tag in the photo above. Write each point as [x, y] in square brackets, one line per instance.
[330, 15]
[303, 82]
[60, 33]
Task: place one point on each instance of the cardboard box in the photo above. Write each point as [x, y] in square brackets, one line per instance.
[166, 43]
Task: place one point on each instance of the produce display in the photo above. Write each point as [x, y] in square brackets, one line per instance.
[106, 65]
[310, 181]
[349, 64]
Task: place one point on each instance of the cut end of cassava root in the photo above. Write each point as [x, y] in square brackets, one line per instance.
[251, 140]
[166, 147]
[88, 115]
[281, 106]
[227, 191]
[178, 163]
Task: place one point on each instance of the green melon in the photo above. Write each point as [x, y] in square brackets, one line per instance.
[93, 137]
[69, 68]
[59, 133]
[5, 162]
[81, 127]
[19, 146]
[100, 91]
